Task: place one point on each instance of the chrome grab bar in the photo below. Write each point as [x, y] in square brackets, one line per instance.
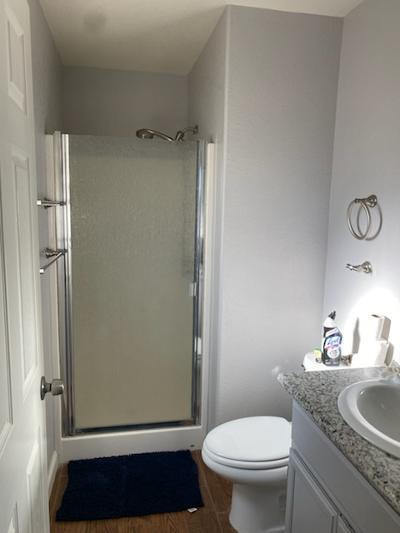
[46, 203]
[54, 255]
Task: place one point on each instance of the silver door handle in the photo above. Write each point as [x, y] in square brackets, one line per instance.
[56, 387]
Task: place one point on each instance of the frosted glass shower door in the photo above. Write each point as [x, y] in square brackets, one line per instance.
[132, 224]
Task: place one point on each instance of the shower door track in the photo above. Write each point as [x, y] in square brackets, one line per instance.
[65, 305]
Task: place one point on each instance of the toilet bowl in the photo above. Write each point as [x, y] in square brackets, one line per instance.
[253, 453]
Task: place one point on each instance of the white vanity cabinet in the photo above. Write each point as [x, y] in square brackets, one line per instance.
[326, 494]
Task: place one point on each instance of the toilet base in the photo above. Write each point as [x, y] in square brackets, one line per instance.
[256, 509]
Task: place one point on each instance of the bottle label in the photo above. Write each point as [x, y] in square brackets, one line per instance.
[332, 346]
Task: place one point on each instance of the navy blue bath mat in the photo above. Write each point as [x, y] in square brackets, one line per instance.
[130, 485]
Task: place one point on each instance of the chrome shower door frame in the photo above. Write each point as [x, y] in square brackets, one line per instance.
[65, 296]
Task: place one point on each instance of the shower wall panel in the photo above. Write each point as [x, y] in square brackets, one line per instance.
[132, 267]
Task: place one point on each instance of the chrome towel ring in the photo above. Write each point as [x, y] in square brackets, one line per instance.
[364, 205]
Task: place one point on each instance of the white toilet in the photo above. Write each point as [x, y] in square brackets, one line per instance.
[253, 453]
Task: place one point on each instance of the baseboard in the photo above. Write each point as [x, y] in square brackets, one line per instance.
[53, 465]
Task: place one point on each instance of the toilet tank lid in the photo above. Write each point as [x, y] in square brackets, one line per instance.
[259, 438]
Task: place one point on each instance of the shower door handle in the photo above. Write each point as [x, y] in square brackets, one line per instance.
[56, 387]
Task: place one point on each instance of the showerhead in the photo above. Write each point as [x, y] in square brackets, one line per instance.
[146, 133]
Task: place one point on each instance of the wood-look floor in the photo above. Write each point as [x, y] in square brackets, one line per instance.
[212, 518]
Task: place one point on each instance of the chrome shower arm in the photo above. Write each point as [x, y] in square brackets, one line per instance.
[146, 133]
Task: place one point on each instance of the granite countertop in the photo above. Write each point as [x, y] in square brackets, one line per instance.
[317, 393]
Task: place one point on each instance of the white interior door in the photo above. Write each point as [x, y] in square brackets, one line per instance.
[23, 493]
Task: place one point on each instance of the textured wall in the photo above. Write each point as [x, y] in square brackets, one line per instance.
[46, 68]
[278, 118]
[113, 102]
[366, 161]
[283, 71]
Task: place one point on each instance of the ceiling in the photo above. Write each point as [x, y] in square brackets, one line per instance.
[151, 35]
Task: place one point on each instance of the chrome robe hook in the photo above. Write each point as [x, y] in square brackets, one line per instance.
[365, 267]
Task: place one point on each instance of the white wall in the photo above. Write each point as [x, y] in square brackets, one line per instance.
[46, 68]
[278, 115]
[366, 161]
[207, 98]
[114, 102]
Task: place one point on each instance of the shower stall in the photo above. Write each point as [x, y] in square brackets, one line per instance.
[130, 282]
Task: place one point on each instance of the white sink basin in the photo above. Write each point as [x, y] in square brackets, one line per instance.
[372, 409]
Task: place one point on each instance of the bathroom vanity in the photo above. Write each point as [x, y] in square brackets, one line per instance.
[337, 482]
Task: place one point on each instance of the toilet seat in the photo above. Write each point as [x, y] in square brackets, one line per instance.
[247, 465]
[254, 443]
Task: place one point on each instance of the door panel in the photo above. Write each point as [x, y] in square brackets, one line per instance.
[16, 53]
[23, 476]
[308, 507]
[35, 488]
[26, 293]
[132, 299]
[6, 419]
[342, 527]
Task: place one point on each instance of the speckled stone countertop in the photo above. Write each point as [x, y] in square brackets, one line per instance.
[317, 394]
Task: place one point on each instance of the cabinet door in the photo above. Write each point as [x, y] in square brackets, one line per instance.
[308, 508]
[342, 527]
